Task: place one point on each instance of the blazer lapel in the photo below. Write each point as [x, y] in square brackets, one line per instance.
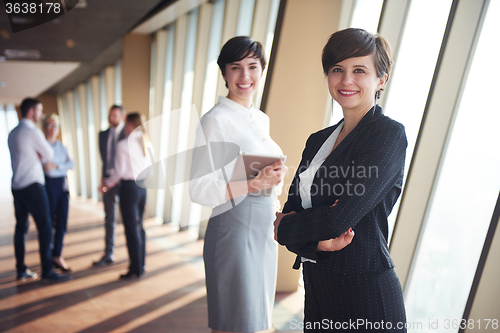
[320, 139]
[104, 144]
[370, 117]
[122, 134]
[307, 159]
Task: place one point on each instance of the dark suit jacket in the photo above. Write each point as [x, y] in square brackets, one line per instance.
[365, 173]
[103, 148]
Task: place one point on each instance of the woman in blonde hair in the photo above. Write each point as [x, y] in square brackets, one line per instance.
[131, 157]
[57, 187]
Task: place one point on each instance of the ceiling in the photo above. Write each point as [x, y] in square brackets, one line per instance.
[78, 44]
[30, 78]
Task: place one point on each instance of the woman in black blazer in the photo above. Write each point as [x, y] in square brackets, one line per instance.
[347, 183]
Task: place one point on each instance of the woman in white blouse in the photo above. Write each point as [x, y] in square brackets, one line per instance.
[130, 159]
[239, 253]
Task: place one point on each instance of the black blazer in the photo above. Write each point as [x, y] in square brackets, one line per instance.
[103, 148]
[365, 173]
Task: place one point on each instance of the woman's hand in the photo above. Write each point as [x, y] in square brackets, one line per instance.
[103, 188]
[336, 244]
[268, 177]
[277, 222]
[49, 166]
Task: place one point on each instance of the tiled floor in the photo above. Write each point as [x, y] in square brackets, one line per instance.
[170, 298]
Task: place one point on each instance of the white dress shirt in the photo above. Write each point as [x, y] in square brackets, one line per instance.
[26, 141]
[307, 176]
[113, 132]
[130, 160]
[229, 121]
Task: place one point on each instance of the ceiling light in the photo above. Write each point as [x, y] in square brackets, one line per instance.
[4, 33]
[81, 4]
[70, 43]
[21, 20]
[23, 54]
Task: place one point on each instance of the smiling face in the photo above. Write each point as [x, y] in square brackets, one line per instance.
[35, 113]
[115, 117]
[243, 78]
[353, 83]
[51, 129]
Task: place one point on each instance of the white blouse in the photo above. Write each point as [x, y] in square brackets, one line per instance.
[229, 121]
[129, 160]
[307, 176]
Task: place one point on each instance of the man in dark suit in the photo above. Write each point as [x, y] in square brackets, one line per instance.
[107, 147]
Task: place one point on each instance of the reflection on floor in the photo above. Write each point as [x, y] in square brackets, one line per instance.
[170, 298]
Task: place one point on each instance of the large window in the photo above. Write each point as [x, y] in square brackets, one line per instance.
[366, 14]
[464, 197]
[165, 114]
[413, 71]
[79, 142]
[5, 168]
[92, 144]
[185, 118]
[245, 17]
[102, 100]
[214, 45]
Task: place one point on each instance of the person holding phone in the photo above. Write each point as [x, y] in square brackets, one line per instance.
[240, 254]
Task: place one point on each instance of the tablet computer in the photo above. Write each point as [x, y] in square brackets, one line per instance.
[248, 165]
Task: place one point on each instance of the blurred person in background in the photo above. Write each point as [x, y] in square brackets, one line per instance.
[131, 155]
[108, 140]
[28, 148]
[56, 184]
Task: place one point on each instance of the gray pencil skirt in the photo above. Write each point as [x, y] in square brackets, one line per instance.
[240, 257]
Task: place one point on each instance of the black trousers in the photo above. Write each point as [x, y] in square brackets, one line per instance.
[371, 302]
[33, 200]
[59, 205]
[110, 199]
[132, 203]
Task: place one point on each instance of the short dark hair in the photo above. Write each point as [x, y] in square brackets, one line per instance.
[135, 118]
[116, 106]
[27, 104]
[238, 48]
[354, 42]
